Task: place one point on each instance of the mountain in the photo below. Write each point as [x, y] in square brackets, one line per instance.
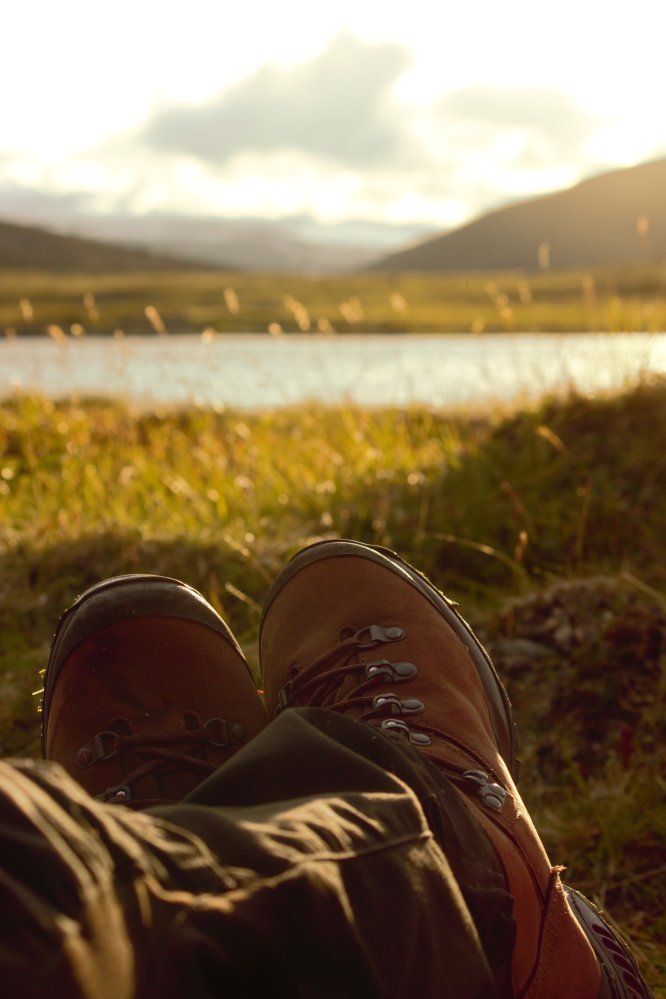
[24, 246]
[618, 217]
[252, 244]
[297, 243]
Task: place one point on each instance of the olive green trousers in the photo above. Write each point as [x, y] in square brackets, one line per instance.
[322, 860]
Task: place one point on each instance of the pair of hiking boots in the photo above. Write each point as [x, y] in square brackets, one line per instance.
[147, 692]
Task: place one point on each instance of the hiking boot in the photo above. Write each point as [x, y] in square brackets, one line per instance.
[356, 629]
[146, 691]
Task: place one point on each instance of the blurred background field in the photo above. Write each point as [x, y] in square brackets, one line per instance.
[609, 299]
[545, 522]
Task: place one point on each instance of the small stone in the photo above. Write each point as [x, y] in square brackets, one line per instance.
[564, 634]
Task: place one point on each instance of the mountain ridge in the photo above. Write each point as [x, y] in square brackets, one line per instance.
[615, 218]
[296, 244]
[37, 248]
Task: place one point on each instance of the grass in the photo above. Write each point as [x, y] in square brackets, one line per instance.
[546, 523]
[631, 299]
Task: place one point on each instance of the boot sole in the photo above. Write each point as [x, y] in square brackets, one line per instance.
[121, 598]
[499, 705]
[620, 975]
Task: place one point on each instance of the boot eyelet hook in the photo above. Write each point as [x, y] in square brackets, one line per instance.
[377, 634]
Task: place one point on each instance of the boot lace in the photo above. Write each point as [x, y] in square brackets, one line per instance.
[318, 683]
[159, 752]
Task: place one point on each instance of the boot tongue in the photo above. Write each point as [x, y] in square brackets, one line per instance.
[168, 785]
[174, 781]
[345, 687]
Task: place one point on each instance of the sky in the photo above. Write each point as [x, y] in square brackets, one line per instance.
[417, 112]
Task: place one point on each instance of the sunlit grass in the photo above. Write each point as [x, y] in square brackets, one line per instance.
[633, 299]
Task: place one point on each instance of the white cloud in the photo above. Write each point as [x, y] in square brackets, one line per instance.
[337, 107]
[539, 110]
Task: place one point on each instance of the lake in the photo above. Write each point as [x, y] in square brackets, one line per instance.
[257, 371]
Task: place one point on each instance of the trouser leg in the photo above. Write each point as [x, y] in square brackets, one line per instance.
[306, 866]
[309, 751]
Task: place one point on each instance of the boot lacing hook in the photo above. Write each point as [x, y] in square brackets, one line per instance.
[317, 683]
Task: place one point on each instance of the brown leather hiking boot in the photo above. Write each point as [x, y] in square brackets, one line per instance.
[146, 691]
[358, 630]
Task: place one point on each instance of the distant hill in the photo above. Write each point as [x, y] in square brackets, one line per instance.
[295, 244]
[616, 218]
[30, 247]
[232, 244]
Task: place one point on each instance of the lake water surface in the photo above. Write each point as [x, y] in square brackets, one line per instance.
[254, 371]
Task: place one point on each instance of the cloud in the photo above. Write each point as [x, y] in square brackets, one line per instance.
[19, 200]
[329, 136]
[337, 107]
[549, 120]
